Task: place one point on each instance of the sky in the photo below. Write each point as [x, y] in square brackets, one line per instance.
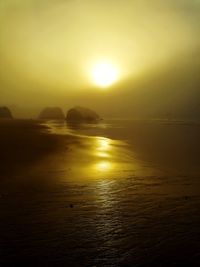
[48, 50]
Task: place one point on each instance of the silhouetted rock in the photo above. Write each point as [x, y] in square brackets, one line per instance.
[80, 114]
[5, 113]
[53, 113]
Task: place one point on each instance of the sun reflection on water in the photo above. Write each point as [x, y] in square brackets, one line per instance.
[104, 166]
[102, 154]
[103, 143]
[103, 147]
[103, 150]
[92, 158]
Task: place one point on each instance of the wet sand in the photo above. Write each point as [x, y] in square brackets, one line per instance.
[26, 142]
[76, 197]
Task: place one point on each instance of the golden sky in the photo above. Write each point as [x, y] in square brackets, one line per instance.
[49, 49]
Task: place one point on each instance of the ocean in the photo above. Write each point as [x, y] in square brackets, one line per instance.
[123, 193]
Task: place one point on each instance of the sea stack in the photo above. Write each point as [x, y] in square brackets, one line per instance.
[5, 113]
[52, 113]
[81, 114]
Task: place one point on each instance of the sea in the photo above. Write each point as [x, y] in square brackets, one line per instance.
[123, 192]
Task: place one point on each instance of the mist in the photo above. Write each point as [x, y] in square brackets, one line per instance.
[48, 48]
[99, 133]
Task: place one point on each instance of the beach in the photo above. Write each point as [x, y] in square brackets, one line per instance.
[99, 195]
[25, 142]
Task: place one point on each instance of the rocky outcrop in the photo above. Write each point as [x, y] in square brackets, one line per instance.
[5, 113]
[81, 114]
[52, 113]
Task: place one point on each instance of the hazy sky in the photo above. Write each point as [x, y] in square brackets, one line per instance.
[49, 48]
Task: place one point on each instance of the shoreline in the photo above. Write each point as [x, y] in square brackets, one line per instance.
[63, 196]
[24, 142]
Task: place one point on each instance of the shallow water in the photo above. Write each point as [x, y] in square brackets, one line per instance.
[125, 194]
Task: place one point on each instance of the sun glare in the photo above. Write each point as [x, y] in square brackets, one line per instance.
[104, 74]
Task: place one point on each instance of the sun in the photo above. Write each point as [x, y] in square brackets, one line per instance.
[104, 74]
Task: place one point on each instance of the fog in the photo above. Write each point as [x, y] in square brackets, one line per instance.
[48, 49]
